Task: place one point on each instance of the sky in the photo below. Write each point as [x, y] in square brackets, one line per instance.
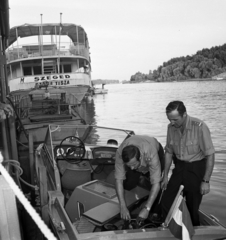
[130, 36]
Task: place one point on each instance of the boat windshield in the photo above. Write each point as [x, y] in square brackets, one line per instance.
[90, 135]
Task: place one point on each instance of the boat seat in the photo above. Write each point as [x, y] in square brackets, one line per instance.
[73, 175]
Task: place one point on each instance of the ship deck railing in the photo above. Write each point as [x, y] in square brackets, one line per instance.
[28, 106]
[46, 50]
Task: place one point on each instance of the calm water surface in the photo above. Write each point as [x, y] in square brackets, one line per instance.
[141, 107]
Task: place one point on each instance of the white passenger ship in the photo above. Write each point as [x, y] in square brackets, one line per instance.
[47, 65]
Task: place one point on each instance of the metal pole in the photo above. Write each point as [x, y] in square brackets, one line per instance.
[77, 38]
[41, 42]
[55, 36]
[60, 28]
[59, 42]
[41, 38]
[17, 43]
[31, 156]
[3, 125]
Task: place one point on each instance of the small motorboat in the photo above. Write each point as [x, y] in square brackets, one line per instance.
[100, 91]
[75, 172]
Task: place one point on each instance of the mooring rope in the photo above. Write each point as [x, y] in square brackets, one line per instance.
[18, 193]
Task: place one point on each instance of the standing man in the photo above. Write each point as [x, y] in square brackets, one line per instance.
[137, 157]
[189, 143]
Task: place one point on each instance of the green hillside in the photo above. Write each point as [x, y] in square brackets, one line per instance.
[202, 65]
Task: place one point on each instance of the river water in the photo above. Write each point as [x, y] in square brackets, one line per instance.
[141, 108]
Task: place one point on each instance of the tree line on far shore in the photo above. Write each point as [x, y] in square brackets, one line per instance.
[205, 64]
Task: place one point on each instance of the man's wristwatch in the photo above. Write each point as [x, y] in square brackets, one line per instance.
[147, 208]
[205, 181]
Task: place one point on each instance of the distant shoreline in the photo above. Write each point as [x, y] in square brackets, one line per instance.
[187, 80]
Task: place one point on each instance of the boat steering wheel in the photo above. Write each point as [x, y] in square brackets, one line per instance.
[72, 149]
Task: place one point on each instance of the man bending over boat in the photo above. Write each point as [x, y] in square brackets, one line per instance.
[189, 143]
[138, 157]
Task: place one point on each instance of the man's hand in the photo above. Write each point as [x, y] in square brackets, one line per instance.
[204, 188]
[124, 212]
[2, 115]
[142, 215]
[164, 183]
[8, 110]
[120, 192]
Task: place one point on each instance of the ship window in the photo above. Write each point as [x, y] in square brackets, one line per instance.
[67, 68]
[27, 71]
[37, 70]
[8, 72]
[61, 68]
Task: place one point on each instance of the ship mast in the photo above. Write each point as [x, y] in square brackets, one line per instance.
[58, 62]
[41, 43]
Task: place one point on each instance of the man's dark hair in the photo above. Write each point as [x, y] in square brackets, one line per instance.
[130, 152]
[176, 105]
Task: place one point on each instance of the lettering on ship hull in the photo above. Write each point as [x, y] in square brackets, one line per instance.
[52, 77]
[52, 83]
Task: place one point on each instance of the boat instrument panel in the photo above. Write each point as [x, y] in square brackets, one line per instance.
[70, 148]
[100, 155]
[68, 151]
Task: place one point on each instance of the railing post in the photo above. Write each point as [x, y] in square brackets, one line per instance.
[31, 157]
